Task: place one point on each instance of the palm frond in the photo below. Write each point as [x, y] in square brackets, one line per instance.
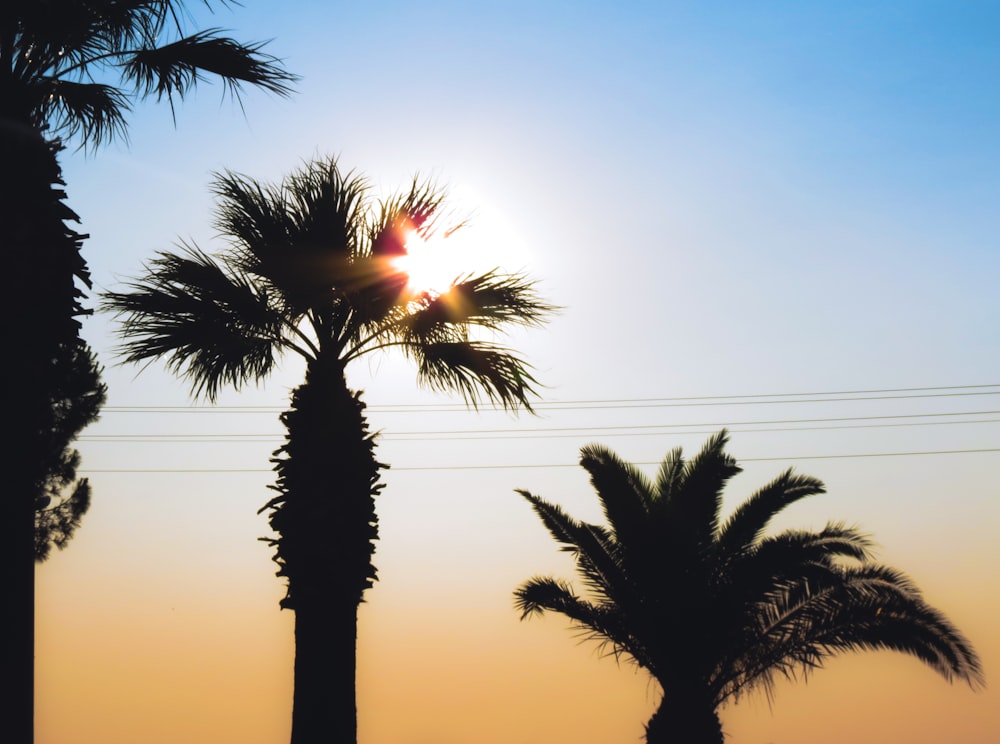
[211, 326]
[625, 493]
[594, 550]
[299, 236]
[50, 40]
[670, 476]
[540, 594]
[748, 522]
[63, 55]
[329, 207]
[690, 514]
[561, 526]
[599, 623]
[418, 210]
[490, 301]
[794, 557]
[474, 370]
[107, 25]
[254, 218]
[124, 23]
[93, 111]
[868, 607]
[172, 70]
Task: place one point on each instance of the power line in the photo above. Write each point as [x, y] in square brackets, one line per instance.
[762, 425]
[495, 434]
[660, 429]
[590, 404]
[550, 465]
[546, 432]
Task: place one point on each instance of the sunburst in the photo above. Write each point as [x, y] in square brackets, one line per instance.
[431, 265]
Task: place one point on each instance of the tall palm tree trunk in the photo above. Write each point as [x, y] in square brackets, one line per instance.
[324, 703]
[326, 524]
[41, 259]
[24, 201]
[684, 717]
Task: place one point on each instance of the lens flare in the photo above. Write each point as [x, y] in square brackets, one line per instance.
[431, 266]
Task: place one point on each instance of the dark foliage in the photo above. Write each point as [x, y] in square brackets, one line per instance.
[712, 608]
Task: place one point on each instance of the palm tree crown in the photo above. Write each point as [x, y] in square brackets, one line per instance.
[78, 66]
[309, 271]
[712, 607]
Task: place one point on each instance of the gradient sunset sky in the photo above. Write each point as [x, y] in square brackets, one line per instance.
[733, 202]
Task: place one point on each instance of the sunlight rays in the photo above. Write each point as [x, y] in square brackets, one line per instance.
[432, 265]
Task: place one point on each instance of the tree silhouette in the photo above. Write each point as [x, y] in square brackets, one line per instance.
[70, 69]
[52, 390]
[711, 608]
[76, 68]
[309, 270]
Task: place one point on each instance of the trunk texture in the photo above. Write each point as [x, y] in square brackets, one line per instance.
[684, 718]
[326, 524]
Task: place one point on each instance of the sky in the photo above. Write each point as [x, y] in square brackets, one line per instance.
[778, 217]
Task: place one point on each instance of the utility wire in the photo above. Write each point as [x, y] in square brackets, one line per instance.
[551, 465]
[776, 425]
[539, 432]
[705, 400]
[500, 434]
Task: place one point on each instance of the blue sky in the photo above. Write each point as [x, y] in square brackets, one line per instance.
[725, 198]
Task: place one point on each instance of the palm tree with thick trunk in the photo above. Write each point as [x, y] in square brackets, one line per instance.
[70, 70]
[710, 607]
[310, 269]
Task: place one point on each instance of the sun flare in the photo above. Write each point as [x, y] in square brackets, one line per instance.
[430, 265]
[434, 262]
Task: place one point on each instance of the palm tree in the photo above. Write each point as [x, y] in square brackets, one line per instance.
[711, 608]
[52, 390]
[75, 68]
[309, 270]
[71, 69]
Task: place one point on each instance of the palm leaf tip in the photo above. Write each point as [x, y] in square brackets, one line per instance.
[208, 324]
[540, 594]
[173, 69]
[501, 298]
[625, 493]
[94, 111]
[477, 370]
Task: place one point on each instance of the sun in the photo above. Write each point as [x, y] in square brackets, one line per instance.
[489, 243]
[431, 265]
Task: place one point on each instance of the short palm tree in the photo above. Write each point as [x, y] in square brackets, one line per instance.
[711, 608]
[309, 270]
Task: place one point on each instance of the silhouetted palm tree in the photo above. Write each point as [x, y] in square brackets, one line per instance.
[310, 271]
[52, 389]
[70, 69]
[711, 608]
[73, 69]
